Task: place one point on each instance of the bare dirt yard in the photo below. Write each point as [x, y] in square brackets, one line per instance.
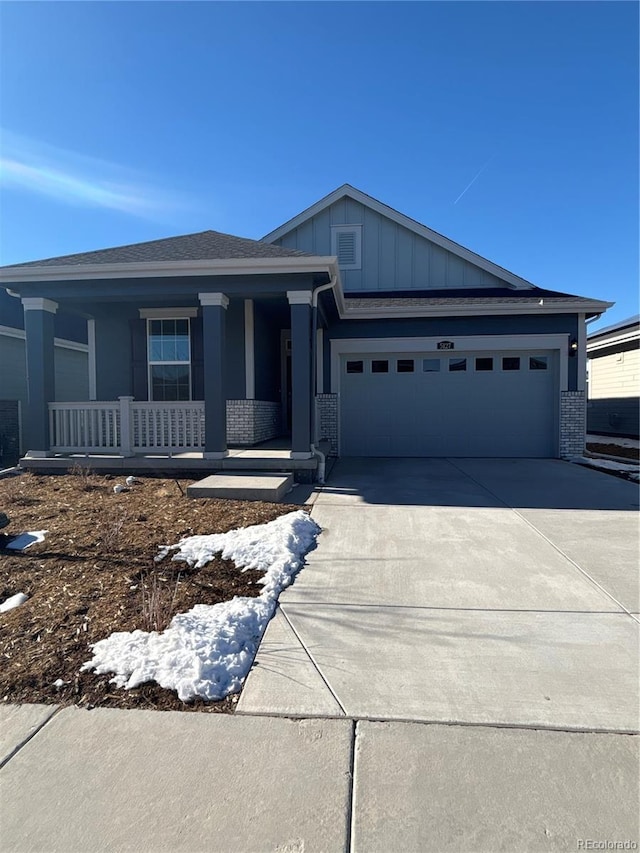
[95, 574]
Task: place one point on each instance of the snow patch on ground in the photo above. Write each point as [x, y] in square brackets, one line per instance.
[25, 540]
[208, 651]
[607, 464]
[12, 602]
[613, 439]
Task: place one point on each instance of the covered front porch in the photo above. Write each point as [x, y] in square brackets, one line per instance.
[191, 366]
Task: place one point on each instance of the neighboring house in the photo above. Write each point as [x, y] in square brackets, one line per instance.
[614, 379]
[351, 323]
[70, 362]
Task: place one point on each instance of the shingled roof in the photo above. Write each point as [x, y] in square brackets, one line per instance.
[205, 245]
[463, 297]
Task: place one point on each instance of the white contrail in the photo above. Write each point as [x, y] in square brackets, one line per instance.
[470, 184]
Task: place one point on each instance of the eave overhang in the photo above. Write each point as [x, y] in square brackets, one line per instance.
[167, 269]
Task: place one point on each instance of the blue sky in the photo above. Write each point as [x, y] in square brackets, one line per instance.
[511, 128]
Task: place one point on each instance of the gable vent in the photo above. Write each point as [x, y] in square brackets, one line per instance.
[346, 245]
[346, 248]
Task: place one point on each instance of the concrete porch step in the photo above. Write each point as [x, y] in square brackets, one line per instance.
[247, 486]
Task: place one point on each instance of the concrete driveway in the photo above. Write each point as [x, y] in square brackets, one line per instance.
[499, 592]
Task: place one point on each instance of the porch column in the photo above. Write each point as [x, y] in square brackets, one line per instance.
[300, 302]
[38, 325]
[214, 308]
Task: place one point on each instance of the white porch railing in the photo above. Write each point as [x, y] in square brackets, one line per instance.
[126, 427]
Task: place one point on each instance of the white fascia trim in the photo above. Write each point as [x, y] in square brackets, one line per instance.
[614, 340]
[167, 313]
[219, 300]
[38, 303]
[63, 343]
[406, 222]
[300, 297]
[480, 307]
[74, 345]
[249, 354]
[10, 332]
[156, 269]
[462, 343]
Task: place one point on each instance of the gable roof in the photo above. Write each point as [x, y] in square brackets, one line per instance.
[205, 245]
[346, 190]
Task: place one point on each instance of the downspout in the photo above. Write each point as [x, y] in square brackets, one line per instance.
[314, 370]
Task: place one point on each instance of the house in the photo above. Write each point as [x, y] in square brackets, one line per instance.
[351, 323]
[614, 379]
[70, 368]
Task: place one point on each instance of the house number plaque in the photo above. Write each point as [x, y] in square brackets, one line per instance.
[445, 345]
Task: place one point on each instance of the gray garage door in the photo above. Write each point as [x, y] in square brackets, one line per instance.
[455, 404]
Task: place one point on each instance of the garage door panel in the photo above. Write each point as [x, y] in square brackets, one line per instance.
[494, 413]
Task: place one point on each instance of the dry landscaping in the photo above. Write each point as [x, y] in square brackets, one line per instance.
[95, 574]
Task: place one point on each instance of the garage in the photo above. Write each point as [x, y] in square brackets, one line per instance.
[482, 403]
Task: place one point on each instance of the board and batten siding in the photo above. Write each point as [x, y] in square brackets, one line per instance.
[614, 391]
[393, 257]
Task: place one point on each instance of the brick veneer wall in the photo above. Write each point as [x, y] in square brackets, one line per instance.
[252, 421]
[9, 432]
[327, 423]
[572, 423]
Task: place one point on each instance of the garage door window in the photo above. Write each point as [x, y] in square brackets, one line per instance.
[379, 366]
[538, 362]
[511, 363]
[404, 365]
[457, 364]
[431, 365]
[484, 364]
[355, 367]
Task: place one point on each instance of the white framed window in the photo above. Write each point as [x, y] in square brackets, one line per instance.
[346, 245]
[169, 357]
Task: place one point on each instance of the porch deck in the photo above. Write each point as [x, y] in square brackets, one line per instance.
[190, 462]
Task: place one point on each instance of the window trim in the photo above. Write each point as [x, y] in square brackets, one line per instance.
[347, 229]
[154, 362]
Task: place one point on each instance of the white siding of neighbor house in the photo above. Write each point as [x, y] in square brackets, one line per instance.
[393, 257]
[615, 375]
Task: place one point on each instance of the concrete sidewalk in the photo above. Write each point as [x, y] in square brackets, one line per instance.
[110, 780]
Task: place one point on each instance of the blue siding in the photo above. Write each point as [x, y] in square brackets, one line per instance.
[113, 349]
[235, 363]
[266, 356]
[114, 376]
[65, 325]
[393, 257]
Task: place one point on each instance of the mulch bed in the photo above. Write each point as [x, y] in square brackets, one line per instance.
[95, 573]
[631, 453]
